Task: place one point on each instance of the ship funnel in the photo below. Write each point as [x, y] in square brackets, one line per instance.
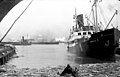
[80, 21]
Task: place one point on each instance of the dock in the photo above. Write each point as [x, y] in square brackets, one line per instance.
[6, 52]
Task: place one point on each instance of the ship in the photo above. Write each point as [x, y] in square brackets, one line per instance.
[44, 43]
[22, 42]
[93, 42]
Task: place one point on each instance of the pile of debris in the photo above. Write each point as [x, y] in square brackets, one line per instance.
[83, 70]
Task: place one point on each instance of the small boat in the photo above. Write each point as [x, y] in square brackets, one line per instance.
[99, 44]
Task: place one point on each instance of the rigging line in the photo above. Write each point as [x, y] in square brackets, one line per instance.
[105, 19]
[88, 17]
[90, 21]
[16, 20]
[90, 14]
[93, 17]
[100, 25]
[111, 19]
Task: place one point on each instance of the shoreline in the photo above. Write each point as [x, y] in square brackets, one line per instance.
[84, 70]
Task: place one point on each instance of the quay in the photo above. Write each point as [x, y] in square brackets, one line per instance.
[6, 52]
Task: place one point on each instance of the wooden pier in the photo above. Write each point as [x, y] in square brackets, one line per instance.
[6, 52]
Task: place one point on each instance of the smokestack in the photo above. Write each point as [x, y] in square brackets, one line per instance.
[80, 21]
[23, 39]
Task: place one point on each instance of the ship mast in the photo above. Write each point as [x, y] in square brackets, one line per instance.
[95, 15]
[15, 21]
[75, 16]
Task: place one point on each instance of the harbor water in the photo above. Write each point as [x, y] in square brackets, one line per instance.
[37, 56]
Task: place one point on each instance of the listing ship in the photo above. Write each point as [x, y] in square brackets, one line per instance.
[6, 50]
[94, 43]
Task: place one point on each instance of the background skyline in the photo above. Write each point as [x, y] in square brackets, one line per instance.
[52, 18]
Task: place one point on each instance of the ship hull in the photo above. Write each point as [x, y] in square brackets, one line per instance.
[101, 45]
[79, 48]
[17, 43]
[45, 43]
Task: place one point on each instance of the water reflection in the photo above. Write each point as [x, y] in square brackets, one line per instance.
[84, 60]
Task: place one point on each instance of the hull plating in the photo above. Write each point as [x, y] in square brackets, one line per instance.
[101, 45]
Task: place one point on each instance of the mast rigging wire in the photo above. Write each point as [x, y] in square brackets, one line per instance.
[16, 20]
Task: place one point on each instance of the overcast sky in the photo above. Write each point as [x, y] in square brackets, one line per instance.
[49, 17]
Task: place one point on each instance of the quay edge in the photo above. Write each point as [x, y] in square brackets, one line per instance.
[6, 52]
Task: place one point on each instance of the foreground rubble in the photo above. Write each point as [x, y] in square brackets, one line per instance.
[83, 70]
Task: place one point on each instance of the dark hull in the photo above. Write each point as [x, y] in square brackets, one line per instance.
[77, 51]
[21, 44]
[80, 48]
[101, 45]
[17, 43]
[45, 42]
